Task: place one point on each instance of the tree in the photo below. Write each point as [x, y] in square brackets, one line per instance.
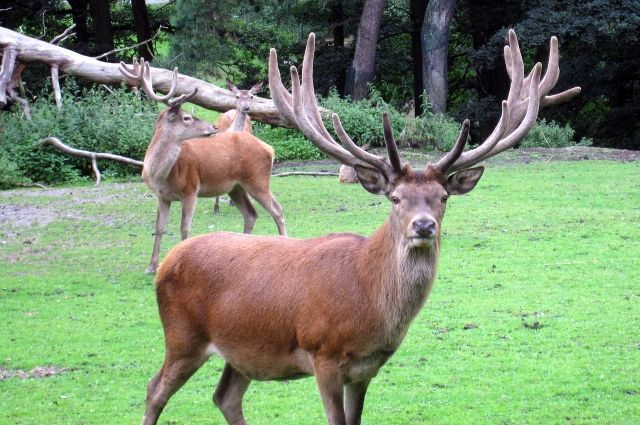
[417, 9]
[362, 70]
[102, 28]
[435, 45]
[143, 28]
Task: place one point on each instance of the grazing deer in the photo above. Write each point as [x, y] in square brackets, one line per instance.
[237, 119]
[337, 306]
[180, 165]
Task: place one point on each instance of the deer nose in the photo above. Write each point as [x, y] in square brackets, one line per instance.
[425, 228]
[245, 109]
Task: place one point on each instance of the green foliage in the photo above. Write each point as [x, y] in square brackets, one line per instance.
[93, 119]
[551, 135]
[9, 174]
[290, 145]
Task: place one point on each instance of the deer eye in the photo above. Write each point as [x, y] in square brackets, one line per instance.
[237, 96]
[444, 198]
[187, 118]
[395, 200]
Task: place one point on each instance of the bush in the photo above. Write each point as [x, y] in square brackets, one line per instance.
[290, 145]
[550, 135]
[93, 119]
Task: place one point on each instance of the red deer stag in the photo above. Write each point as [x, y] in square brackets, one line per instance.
[336, 306]
[237, 119]
[179, 166]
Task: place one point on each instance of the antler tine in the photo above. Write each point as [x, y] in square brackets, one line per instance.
[511, 139]
[446, 161]
[312, 113]
[390, 141]
[147, 85]
[301, 109]
[177, 101]
[331, 148]
[517, 114]
[133, 73]
[281, 97]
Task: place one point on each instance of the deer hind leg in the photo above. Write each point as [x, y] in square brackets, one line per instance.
[229, 393]
[269, 203]
[161, 222]
[216, 205]
[188, 208]
[354, 401]
[243, 203]
[178, 367]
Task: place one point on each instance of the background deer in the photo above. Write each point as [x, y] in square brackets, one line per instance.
[178, 166]
[337, 306]
[237, 119]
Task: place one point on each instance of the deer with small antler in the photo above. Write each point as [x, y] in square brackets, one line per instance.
[182, 163]
[237, 119]
[338, 306]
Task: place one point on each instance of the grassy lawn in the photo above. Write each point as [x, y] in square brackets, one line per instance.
[534, 318]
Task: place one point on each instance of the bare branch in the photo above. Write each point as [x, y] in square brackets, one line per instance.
[94, 156]
[61, 37]
[122, 49]
[6, 71]
[55, 82]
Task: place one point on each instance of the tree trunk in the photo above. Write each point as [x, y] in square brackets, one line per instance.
[80, 12]
[143, 29]
[29, 50]
[417, 9]
[362, 68]
[102, 29]
[337, 23]
[435, 45]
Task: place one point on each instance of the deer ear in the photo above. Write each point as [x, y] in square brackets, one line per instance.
[372, 180]
[463, 181]
[256, 88]
[173, 112]
[231, 86]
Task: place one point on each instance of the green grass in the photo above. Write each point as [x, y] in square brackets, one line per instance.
[540, 261]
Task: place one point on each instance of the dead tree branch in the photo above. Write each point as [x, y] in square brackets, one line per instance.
[94, 156]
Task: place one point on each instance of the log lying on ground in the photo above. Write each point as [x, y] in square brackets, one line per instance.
[19, 49]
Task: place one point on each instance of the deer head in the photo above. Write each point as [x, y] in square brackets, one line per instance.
[244, 97]
[172, 121]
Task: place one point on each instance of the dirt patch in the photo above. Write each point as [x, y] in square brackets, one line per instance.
[36, 372]
[25, 216]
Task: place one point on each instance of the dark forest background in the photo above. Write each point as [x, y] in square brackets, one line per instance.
[401, 49]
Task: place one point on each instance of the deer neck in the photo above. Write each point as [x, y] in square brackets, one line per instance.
[400, 277]
[239, 121]
[162, 153]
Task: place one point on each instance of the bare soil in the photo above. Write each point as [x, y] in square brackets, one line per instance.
[36, 372]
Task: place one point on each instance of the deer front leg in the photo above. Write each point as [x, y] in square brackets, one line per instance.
[354, 401]
[216, 205]
[161, 221]
[330, 383]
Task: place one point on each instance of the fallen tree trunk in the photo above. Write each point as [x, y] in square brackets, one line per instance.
[19, 49]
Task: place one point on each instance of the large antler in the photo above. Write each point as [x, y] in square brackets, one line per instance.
[300, 108]
[140, 75]
[519, 111]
